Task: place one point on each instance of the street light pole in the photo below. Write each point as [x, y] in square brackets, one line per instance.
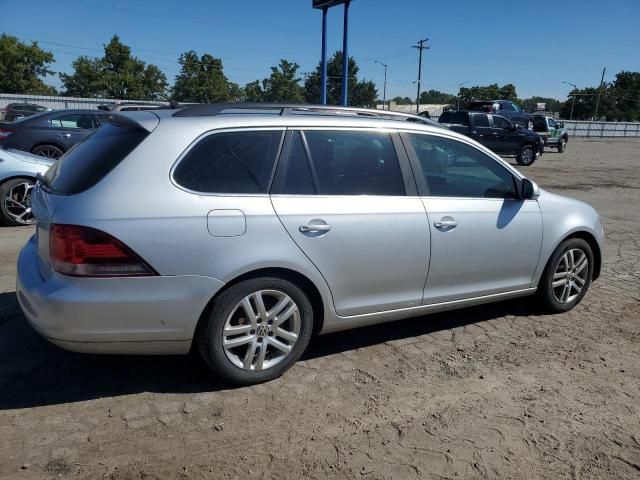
[573, 97]
[459, 87]
[384, 91]
[600, 92]
[420, 46]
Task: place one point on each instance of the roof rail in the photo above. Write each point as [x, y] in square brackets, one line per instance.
[283, 109]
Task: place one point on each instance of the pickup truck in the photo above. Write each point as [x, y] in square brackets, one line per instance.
[496, 133]
[554, 133]
[505, 108]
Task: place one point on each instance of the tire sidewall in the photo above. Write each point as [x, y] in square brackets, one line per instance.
[546, 288]
[520, 158]
[211, 342]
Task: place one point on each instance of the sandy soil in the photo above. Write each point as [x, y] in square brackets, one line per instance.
[490, 392]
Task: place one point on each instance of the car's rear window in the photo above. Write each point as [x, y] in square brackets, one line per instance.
[90, 161]
[454, 118]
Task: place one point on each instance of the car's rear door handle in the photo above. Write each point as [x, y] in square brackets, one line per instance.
[445, 223]
[315, 227]
[64, 135]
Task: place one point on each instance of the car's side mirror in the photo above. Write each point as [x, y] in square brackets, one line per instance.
[529, 190]
[561, 124]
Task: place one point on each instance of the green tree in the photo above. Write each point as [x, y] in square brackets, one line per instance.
[283, 85]
[202, 79]
[117, 74]
[361, 93]
[402, 100]
[487, 92]
[530, 104]
[437, 97]
[252, 92]
[23, 66]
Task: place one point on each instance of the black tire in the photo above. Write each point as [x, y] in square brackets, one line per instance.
[562, 145]
[10, 210]
[546, 289]
[48, 151]
[526, 156]
[209, 336]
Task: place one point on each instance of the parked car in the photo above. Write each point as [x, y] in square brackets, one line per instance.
[16, 111]
[50, 134]
[553, 132]
[130, 106]
[505, 108]
[496, 133]
[18, 171]
[255, 230]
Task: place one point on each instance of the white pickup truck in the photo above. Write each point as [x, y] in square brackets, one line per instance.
[553, 132]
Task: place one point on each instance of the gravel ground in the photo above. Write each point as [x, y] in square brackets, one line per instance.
[490, 392]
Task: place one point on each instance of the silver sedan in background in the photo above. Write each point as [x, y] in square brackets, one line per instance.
[18, 171]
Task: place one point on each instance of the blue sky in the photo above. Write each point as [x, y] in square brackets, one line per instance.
[533, 44]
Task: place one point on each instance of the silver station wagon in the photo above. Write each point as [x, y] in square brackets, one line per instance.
[241, 230]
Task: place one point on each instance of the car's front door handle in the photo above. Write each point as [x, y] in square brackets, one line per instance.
[315, 227]
[445, 223]
[64, 135]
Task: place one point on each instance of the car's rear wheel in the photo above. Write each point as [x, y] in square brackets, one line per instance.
[567, 276]
[49, 151]
[562, 145]
[526, 156]
[256, 330]
[15, 202]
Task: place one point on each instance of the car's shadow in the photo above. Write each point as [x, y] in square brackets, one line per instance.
[34, 372]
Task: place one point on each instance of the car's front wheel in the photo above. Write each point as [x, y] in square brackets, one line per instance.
[526, 156]
[567, 276]
[15, 202]
[256, 330]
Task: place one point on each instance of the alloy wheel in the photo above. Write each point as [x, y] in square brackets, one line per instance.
[570, 275]
[261, 330]
[48, 152]
[527, 156]
[17, 203]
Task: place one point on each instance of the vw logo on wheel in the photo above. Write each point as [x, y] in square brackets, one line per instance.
[262, 330]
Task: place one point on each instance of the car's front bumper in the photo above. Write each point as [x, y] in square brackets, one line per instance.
[144, 315]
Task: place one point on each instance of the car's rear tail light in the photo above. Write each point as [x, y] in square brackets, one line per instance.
[5, 132]
[87, 252]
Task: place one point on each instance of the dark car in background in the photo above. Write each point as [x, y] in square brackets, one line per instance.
[16, 111]
[50, 134]
[505, 108]
[496, 133]
[130, 106]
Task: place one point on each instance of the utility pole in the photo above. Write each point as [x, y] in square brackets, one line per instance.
[384, 91]
[459, 87]
[573, 101]
[420, 46]
[600, 92]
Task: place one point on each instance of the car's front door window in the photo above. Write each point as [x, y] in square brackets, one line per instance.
[77, 121]
[454, 169]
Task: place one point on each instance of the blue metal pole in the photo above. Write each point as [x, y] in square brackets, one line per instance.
[345, 56]
[323, 61]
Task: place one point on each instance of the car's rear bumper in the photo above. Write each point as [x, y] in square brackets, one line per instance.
[144, 315]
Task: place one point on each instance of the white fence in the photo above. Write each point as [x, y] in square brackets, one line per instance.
[56, 102]
[602, 129]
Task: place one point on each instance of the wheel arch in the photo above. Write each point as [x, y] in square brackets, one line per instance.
[52, 143]
[293, 276]
[595, 248]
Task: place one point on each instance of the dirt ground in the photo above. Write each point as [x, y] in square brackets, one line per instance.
[490, 392]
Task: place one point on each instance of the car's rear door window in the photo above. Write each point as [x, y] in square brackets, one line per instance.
[347, 162]
[78, 120]
[230, 162]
